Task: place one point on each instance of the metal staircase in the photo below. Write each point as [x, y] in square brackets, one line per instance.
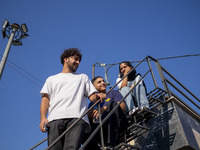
[160, 126]
[139, 119]
[171, 121]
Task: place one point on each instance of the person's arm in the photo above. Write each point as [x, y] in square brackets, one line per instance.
[43, 111]
[125, 80]
[123, 106]
[95, 112]
[96, 96]
[118, 97]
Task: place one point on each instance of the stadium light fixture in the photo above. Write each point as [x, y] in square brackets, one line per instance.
[14, 33]
[24, 28]
[17, 42]
[5, 24]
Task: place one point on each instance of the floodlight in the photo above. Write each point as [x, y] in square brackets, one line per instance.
[14, 33]
[23, 36]
[3, 33]
[17, 43]
[5, 24]
[24, 28]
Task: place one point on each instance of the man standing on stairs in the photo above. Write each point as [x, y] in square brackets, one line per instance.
[64, 97]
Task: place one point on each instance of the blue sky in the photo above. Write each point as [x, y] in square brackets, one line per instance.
[105, 31]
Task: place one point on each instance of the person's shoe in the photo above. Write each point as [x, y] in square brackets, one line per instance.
[144, 107]
[108, 148]
[132, 111]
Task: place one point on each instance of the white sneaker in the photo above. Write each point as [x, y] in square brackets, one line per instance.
[132, 111]
[144, 107]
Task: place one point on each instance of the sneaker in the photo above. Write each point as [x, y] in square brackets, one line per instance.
[108, 148]
[132, 111]
[144, 107]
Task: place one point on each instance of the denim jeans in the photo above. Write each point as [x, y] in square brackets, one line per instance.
[129, 99]
[72, 139]
[139, 95]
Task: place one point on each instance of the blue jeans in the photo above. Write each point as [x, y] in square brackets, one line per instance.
[129, 99]
[138, 93]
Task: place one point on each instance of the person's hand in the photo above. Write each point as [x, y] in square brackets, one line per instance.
[42, 124]
[127, 70]
[101, 96]
[91, 113]
[95, 112]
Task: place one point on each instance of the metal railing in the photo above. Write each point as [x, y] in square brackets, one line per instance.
[165, 82]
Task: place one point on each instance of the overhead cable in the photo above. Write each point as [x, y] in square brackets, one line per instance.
[108, 67]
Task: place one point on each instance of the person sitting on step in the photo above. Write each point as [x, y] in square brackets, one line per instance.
[138, 94]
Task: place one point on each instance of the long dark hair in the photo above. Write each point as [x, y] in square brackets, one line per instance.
[131, 75]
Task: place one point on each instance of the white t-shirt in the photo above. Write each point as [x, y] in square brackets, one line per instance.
[68, 93]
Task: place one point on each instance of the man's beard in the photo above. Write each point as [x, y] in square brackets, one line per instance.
[72, 67]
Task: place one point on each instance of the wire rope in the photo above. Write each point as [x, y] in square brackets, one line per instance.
[106, 70]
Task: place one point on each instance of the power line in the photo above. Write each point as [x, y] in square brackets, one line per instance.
[24, 75]
[136, 61]
[24, 70]
[179, 56]
[109, 66]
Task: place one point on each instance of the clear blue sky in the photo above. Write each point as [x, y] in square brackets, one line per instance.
[107, 31]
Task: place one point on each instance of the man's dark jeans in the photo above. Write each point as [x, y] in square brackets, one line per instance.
[72, 139]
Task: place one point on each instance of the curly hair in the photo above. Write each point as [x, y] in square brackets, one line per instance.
[70, 52]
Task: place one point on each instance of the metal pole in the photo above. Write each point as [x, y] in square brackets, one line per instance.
[163, 78]
[152, 74]
[93, 71]
[7, 50]
[100, 123]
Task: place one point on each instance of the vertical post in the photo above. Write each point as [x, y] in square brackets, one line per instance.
[163, 79]
[101, 128]
[7, 50]
[152, 74]
[93, 71]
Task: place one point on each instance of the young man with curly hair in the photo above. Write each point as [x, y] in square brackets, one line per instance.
[64, 97]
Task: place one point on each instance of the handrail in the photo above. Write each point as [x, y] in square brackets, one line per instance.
[55, 141]
[165, 83]
[164, 79]
[179, 83]
[152, 74]
[66, 129]
[112, 111]
[183, 94]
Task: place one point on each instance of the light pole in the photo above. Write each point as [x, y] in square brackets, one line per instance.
[14, 33]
